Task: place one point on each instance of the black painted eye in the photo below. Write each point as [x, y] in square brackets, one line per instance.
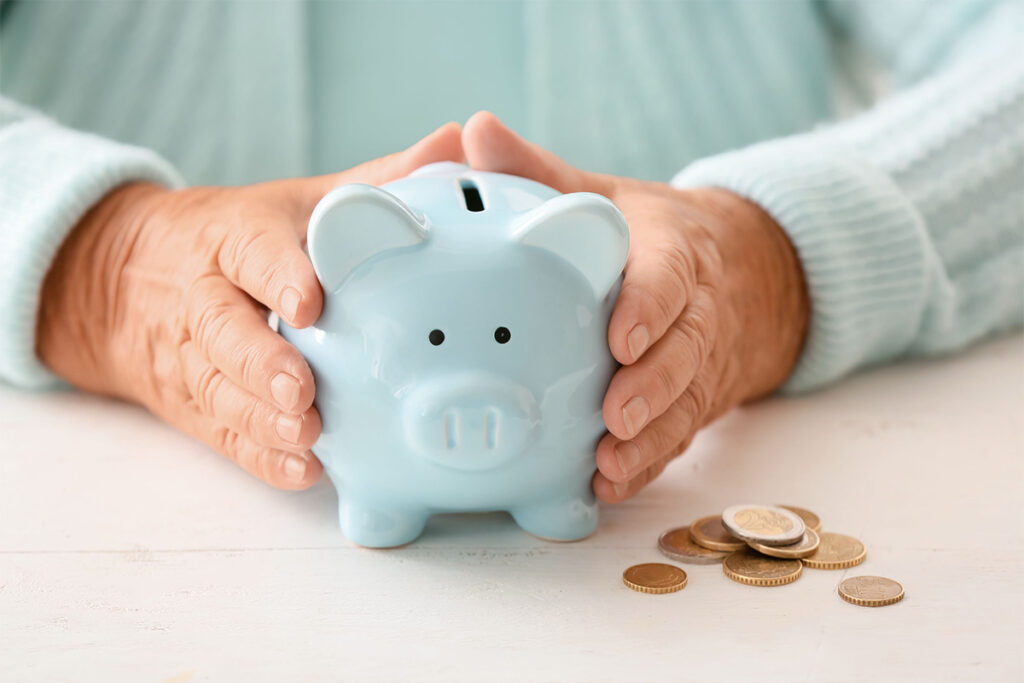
[502, 335]
[436, 337]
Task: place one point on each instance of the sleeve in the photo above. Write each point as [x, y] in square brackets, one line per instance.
[909, 218]
[49, 178]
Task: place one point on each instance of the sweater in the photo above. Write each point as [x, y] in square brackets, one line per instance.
[886, 138]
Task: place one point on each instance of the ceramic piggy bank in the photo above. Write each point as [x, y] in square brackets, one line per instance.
[461, 358]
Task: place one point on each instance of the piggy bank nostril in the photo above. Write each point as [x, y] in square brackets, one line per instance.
[492, 422]
[450, 429]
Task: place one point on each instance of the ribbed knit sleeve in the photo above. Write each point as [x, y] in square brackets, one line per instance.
[908, 219]
[49, 178]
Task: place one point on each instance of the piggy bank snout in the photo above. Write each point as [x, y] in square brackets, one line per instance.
[471, 423]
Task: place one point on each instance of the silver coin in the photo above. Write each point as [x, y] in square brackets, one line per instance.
[766, 524]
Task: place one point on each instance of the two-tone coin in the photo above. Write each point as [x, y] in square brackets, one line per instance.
[807, 545]
[710, 533]
[870, 591]
[836, 551]
[677, 544]
[750, 567]
[763, 524]
[654, 577]
[811, 520]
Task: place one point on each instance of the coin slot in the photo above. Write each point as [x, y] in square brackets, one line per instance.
[471, 195]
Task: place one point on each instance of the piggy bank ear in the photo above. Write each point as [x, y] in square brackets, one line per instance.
[353, 223]
[585, 229]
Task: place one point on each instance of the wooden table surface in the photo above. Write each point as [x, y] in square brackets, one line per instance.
[129, 552]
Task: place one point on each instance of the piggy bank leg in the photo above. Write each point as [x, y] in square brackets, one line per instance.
[562, 519]
[374, 526]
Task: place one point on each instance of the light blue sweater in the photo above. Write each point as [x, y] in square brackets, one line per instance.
[908, 217]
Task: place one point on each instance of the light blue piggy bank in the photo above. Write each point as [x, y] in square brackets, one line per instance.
[461, 359]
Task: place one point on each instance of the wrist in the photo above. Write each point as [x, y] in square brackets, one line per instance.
[78, 302]
[766, 296]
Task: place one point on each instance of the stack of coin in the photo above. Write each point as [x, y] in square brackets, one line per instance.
[763, 545]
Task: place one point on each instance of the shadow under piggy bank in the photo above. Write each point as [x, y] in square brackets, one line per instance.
[461, 358]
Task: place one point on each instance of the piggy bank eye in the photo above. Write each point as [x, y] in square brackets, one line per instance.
[502, 335]
[436, 337]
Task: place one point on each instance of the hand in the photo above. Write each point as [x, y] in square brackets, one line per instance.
[158, 297]
[713, 308]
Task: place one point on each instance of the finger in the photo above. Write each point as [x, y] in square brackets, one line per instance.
[268, 262]
[620, 461]
[233, 335]
[280, 469]
[611, 492]
[444, 144]
[491, 146]
[659, 278]
[641, 392]
[241, 412]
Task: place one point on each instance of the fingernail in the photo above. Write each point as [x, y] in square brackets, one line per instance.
[288, 427]
[285, 390]
[635, 414]
[627, 454]
[637, 340]
[290, 300]
[295, 468]
[620, 489]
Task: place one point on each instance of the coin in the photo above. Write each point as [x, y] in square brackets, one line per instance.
[811, 520]
[836, 551]
[654, 577]
[754, 569]
[677, 545]
[763, 524]
[870, 591]
[710, 533]
[807, 544]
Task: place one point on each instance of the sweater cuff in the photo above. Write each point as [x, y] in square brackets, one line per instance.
[862, 245]
[51, 176]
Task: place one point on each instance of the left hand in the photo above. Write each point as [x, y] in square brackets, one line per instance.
[713, 309]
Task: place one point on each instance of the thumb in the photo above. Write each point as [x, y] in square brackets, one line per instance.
[444, 144]
[491, 146]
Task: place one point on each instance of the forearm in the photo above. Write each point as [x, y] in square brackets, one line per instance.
[50, 177]
[908, 220]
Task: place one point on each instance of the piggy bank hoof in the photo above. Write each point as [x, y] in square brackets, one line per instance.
[374, 527]
[571, 520]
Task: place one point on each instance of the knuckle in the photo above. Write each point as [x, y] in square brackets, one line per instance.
[698, 399]
[666, 381]
[211, 320]
[207, 387]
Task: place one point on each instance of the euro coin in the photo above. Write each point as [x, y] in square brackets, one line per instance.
[754, 569]
[763, 524]
[811, 520]
[677, 545]
[836, 551]
[870, 591]
[654, 577]
[807, 545]
[710, 533]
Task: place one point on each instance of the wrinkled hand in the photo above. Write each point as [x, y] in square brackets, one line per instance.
[158, 297]
[712, 312]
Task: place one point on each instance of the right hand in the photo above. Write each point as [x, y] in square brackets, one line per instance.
[160, 297]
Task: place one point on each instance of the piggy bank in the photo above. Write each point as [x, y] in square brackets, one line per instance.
[461, 359]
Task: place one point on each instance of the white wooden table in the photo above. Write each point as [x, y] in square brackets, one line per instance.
[128, 552]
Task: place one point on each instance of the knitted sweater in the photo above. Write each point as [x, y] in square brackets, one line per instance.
[908, 217]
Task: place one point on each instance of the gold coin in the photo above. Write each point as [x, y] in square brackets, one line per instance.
[754, 569]
[807, 545]
[678, 545]
[654, 577]
[710, 533]
[763, 524]
[836, 551]
[870, 591]
[810, 519]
